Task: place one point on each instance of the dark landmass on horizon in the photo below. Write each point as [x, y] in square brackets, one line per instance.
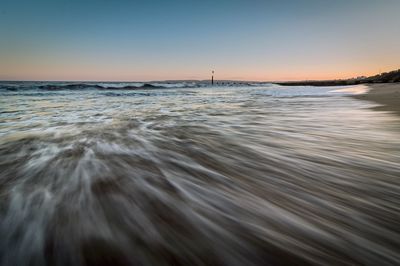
[386, 77]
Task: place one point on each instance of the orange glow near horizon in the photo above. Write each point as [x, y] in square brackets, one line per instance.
[65, 73]
[48, 70]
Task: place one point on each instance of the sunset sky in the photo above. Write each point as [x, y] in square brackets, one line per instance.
[264, 40]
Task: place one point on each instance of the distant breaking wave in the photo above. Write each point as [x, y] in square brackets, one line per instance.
[59, 86]
[81, 86]
[99, 87]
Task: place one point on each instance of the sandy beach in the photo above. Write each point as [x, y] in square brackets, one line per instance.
[387, 94]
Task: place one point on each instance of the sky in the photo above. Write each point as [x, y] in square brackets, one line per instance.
[141, 40]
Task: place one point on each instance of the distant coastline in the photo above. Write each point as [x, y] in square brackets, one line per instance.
[387, 77]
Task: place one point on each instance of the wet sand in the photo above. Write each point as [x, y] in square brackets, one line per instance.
[387, 94]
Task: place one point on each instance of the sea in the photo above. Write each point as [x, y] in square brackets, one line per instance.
[185, 173]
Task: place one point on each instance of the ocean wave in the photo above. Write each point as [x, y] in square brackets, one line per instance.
[76, 86]
[81, 86]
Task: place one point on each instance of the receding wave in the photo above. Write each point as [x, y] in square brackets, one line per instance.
[234, 176]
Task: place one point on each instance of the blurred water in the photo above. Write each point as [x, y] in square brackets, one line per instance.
[262, 175]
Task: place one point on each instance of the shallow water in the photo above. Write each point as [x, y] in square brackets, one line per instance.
[257, 175]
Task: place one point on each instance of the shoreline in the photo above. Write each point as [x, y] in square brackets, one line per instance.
[385, 94]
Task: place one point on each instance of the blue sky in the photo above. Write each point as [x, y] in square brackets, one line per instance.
[153, 40]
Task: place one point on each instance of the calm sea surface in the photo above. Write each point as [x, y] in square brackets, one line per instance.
[250, 175]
